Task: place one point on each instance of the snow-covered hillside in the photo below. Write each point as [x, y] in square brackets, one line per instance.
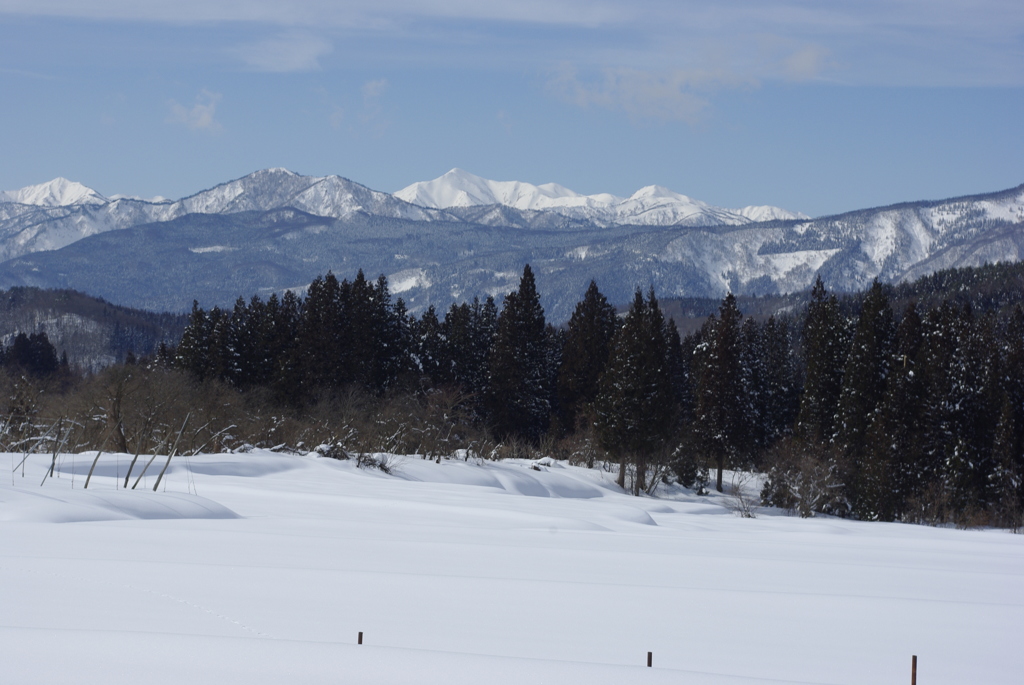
[264, 568]
[650, 206]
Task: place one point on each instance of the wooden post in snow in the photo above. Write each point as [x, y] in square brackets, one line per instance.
[360, 637]
[96, 460]
[913, 670]
[650, 659]
[173, 451]
[56, 450]
[92, 468]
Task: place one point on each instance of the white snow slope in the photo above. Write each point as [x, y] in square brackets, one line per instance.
[460, 573]
[649, 206]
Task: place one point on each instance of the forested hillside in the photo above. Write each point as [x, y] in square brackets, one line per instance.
[92, 332]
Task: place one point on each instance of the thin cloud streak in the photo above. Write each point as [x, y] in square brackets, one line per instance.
[869, 42]
[288, 52]
[674, 95]
[320, 13]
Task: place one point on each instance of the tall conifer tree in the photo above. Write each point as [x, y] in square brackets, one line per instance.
[519, 390]
[720, 399]
[824, 352]
[634, 406]
[587, 349]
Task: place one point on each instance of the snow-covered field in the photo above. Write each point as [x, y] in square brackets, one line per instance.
[465, 573]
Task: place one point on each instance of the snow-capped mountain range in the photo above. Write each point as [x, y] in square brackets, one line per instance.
[461, 236]
[51, 215]
[649, 206]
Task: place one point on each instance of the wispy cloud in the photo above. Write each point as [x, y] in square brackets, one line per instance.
[373, 90]
[337, 116]
[199, 117]
[677, 94]
[290, 51]
[876, 42]
[372, 111]
[807, 63]
[323, 13]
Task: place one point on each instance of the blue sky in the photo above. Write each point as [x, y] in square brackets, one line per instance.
[817, 106]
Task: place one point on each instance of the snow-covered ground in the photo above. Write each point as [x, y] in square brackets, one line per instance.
[263, 568]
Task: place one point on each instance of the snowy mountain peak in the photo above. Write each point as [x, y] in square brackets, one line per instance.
[768, 213]
[651, 205]
[459, 188]
[329, 196]
[60, 192]
[659, 193]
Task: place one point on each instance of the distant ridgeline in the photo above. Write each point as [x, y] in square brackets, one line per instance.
[92, 332]
[988, 288]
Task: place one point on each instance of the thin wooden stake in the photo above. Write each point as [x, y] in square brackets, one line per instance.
[913, 670]
[96, 460]
[56, 449]
[650, 659]
[360, 637]
[147, 430]
[144, 469]
[174, 450]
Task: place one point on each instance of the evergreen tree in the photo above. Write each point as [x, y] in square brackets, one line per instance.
[194, 349]
[469, 333]
[824, 352]
[320, 355]
[780, 390]
[391, 338]
[218, 358]
[753, 359]
[972, 412]
[245, 345]
[285, 317]
[431, 349]
[719, 412]
[940, 331]
[361, 333]
[893, 473]
[587, 349]
[1008, 444]
[1008, 478]
[32, 354]
[519, 391]
[678, 369]
[634, 406]
[864, 382]
[403, 365]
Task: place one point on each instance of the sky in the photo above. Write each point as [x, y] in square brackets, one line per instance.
[819, 106]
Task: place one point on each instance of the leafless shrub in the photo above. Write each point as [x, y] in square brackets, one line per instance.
[804, 479]
[579, 448]
[332, 450]
[514, 448]
[741, 500]
[382, 461]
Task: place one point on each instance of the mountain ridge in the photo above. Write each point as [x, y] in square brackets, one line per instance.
[247, 236]
[650, 205]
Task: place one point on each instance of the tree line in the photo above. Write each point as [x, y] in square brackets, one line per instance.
[851, 406]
